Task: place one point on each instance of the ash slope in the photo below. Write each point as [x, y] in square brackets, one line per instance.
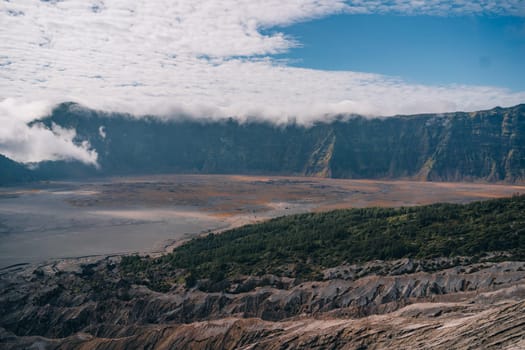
[418, 302]
[89, 306]
[480, 146]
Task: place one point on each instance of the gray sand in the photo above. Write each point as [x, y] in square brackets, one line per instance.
[36, 226]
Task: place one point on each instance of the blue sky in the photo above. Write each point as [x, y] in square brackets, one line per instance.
[479, 50]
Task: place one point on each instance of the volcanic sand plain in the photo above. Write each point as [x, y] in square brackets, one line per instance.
[155, 213]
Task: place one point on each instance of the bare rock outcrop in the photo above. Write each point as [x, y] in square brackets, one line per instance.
[400, 304]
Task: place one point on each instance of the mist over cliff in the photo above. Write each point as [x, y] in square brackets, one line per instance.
[480, 146]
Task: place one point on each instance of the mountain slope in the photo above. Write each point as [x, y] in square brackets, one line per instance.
[487, 145]
[480, 146]
[12, 172]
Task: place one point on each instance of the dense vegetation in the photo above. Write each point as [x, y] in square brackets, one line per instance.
[301, 245]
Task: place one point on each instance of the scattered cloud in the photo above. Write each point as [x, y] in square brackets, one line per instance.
[438, 7]
[207, 58]
[102, 132]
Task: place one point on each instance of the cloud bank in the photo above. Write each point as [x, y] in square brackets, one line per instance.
[439, 7]
[207, 58]
[34, 143]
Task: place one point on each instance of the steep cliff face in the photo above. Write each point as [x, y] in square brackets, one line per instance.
[488, 145]
[390, 148]
[480, 146]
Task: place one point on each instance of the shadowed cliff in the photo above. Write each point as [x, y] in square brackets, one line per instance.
[479, 146]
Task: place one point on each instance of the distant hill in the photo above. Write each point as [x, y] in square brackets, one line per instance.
[480, 146]
[12, 172]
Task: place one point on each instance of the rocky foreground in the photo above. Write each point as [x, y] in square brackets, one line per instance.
[407, 304]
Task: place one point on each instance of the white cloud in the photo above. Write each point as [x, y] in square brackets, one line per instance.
[102, 132]
[204, 58]
[439, 7]
[35, 143]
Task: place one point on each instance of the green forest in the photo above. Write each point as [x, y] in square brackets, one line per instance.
[302, 245]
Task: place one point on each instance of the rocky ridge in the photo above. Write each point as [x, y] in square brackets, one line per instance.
[440, 303]
[479, 146]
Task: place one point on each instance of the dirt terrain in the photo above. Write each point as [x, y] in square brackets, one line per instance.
[234, 194]
[405, 304]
